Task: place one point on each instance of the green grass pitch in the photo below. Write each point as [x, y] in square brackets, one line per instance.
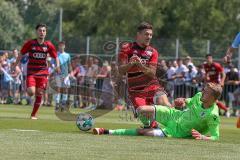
[52, 139]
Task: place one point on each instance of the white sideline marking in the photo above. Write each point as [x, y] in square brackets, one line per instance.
[25, 130]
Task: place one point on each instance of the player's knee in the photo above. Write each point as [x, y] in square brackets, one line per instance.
[140, 131]
[162, 100]
[30, 92]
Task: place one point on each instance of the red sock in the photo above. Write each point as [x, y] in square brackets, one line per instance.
[37, 104]
[238, 122]
[222, 106]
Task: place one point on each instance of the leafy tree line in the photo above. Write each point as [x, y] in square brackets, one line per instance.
[216, 20]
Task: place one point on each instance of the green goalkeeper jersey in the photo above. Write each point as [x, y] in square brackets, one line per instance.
[180, 123]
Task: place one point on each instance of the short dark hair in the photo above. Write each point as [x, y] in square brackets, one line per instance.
[144, 25]
[61, 42]
[40, 25]
[208, 55]
[179, 59]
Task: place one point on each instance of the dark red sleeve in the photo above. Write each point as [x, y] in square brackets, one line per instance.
[123, 55]
[52, 50]
[26, 47]
[154, 58]
[219, 67]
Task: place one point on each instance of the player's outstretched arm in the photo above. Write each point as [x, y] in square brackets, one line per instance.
[198, 136]
[231, 49]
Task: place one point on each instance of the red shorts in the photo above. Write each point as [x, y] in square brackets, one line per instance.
[37, 81]
[146, 96]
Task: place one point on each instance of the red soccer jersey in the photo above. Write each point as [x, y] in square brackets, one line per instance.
[137, 80]
[37, 64]
[214, 72]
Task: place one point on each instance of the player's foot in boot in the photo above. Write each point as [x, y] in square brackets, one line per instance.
[98, 131]
[33, 118]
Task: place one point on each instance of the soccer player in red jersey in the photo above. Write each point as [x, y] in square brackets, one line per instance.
[37, 69]
[138, 60]
[215, 73]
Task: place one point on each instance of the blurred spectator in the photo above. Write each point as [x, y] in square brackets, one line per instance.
[103, 71]
[77, 87]
[16, 75]
[6, 81]
[14, 57]
[191, 89]
[234, 102]
[23, 88]
[227, 67]
[107, 94]
[232, 77]
[90, 81]
[170, 85]
[199, 78]
[161, 73]
[188, 62]
[231, 82]
[180, 79]
[61, 78]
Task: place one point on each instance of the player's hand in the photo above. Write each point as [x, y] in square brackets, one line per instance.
[199, 136]
[58, 70]
[222, 84]
[227, 58]
[135, 59]
[179, 102]
[14, 65]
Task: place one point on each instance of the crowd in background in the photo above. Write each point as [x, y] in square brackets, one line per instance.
[180, 78]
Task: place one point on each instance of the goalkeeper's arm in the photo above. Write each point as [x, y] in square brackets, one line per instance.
[213, 128]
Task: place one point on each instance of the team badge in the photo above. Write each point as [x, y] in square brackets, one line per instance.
[215, 117]
[202, 114]
[33, 48]
[44, 49]
[149, 53]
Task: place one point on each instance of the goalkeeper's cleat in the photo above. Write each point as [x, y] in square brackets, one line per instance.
[98, 131]
[238, 122]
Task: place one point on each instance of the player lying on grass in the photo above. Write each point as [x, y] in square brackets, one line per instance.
[199, 118]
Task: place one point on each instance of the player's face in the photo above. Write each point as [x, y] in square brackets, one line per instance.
[61, 47]
[15, 53]
[209, 59]
[41, 32]
[144, 37]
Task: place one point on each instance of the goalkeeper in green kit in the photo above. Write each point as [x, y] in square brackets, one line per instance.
[199, 119]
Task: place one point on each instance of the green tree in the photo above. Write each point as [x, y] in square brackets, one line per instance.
[11, 25]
